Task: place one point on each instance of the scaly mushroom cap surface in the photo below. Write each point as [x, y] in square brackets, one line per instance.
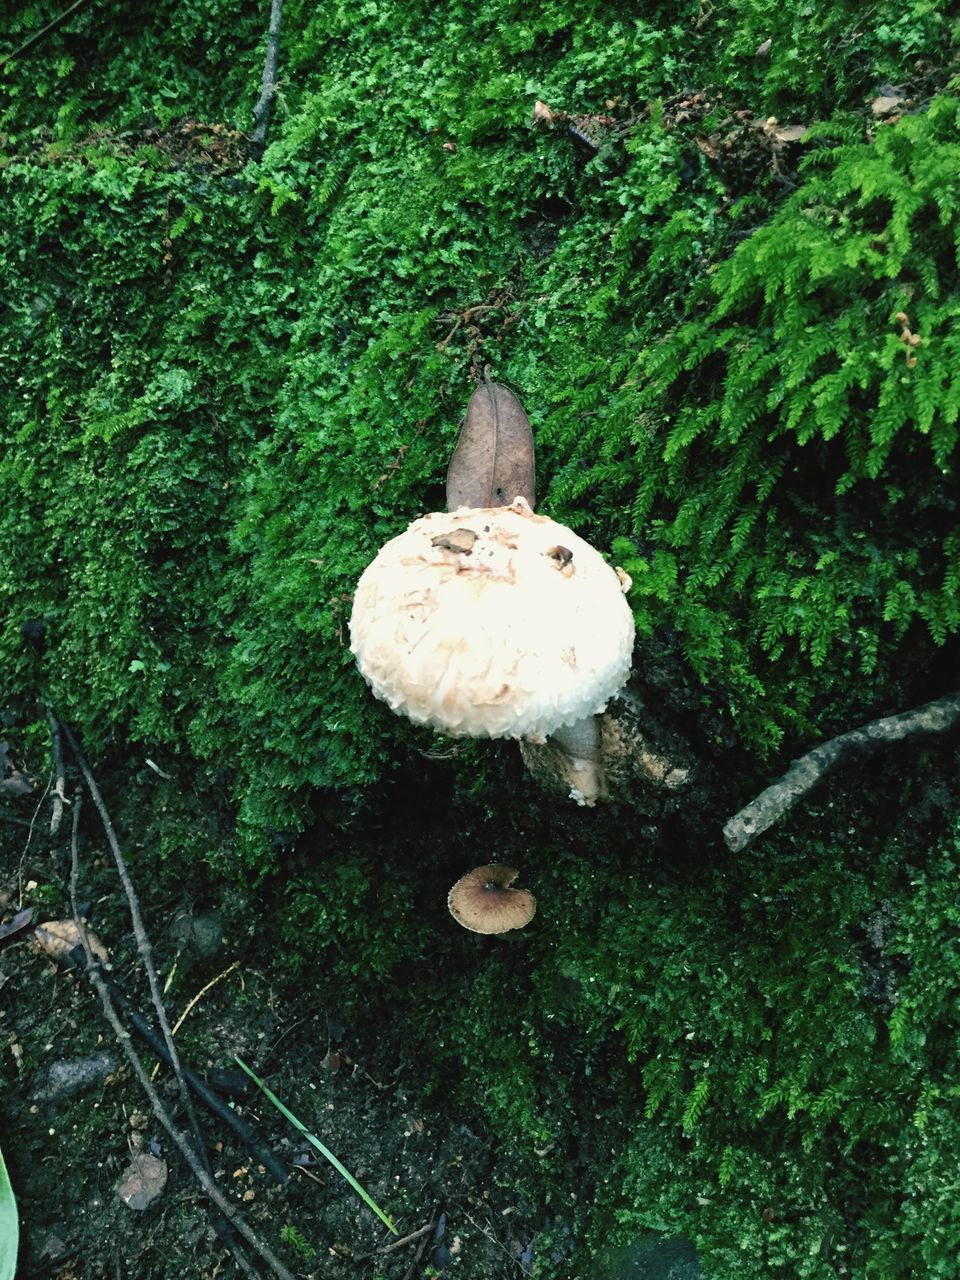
[492, 622]
[483, 902]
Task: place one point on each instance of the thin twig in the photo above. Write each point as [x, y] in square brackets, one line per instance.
[26, 848]
[422, 1247]
[190, 1004]
[139, 932]
[268, 90]
[493, 1239]
[176, 1137]
[397, 1244]
[56, 750]
[37, 36]
[215, 1105]
[265, 1057]
[772, 803]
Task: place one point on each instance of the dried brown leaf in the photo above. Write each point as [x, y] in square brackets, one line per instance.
[493, 462]
[709, 146]
[17, 924]
[790, 133]
[143, 1180]
[886, 104]
[12, 781]
[57, 938]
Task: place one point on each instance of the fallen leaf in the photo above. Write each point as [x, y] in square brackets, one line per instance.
[57, 938]
[143, 1181]
[762, 50]
[542, 115]
[18, 923]
[790, 133]
[493, 462]
[889, 100]
[12, 781]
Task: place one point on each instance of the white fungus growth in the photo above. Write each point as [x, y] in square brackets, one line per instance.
[492, 622]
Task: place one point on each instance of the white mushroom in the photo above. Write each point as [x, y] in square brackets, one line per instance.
[495, 622]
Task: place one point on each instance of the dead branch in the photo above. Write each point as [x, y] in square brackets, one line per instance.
[761, 813]
[248, 1136]
[268, 90]
[213, 1192]
[422, 1247]
[397, 1244]
[143, 941]
[42, 34]
[17, 822]
[56, 750]
[164, 1047]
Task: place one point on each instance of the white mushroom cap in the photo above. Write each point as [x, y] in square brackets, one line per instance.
[492, 622]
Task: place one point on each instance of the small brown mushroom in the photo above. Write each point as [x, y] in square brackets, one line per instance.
[483, 902]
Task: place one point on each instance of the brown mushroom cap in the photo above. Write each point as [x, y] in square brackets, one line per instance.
[483, 902]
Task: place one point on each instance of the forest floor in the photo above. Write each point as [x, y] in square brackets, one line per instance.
[368, 1063]
[77, 1121]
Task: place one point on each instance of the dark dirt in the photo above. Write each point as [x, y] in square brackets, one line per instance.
[357, 1058]
[73, 1113]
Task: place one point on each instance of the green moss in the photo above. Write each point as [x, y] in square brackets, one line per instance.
[227, 383]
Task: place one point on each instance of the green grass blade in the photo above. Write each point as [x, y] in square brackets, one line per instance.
[325, 1151]
[9, 1226]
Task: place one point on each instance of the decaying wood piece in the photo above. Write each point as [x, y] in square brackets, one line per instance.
[804, 773]
[493, 462]
[268, 89]
[630, 755]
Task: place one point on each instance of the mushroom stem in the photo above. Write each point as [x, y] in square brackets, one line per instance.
[580, 739]
[578, 759]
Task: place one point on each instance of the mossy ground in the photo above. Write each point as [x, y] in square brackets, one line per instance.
[352, 1058]
[227, 380]
[542, 1090]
